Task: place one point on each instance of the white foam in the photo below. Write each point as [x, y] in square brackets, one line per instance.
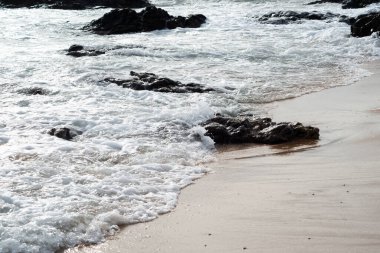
[138, 149]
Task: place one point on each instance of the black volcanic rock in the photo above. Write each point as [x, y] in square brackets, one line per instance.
[64, 133]
[120, 21]
[227, 130]
[34, 91]
[75, 4]
[366, 24]
[149, 81]
[286, 17]
[80, 51]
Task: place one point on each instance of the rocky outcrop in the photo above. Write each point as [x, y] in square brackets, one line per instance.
[366, 24]
[75, 4]
[120, 21]
[286, 17]
[80, 51]
[34, 91]
[225, 130]
[348, 4]
[64, 133]
[149, 81]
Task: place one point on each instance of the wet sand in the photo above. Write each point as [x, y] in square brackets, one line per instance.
[305, 197]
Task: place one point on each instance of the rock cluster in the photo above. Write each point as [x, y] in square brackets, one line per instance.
[363, 25]
[225, 130]
[75, 4]
[149, 81]
[120, 21]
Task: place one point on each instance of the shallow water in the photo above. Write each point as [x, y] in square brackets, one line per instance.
[139, 148]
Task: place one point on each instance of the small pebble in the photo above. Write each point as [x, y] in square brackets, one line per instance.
[244, 248]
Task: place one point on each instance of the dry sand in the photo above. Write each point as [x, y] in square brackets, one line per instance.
[316, 197]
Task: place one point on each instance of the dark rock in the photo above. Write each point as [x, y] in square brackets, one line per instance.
[348, 4]
[120, 21]
[34, 91]
[79, 51]
[75, 48]
[75, 4]
[194, 21]
[149, 81]
[224, 130]
[286, 17]
[64, 133]
[366, 24]
[326, 1]
[352, 4]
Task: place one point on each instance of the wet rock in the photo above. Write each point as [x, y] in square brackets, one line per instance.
[80, 51]
[224, 130]
[75, 48]
[64, 133]
[366, 24]
[74, 4]
[286, 17]
[150, 81]
[120, 21]
[348, 4]
[326, 1]
[34, 91]
[351, 4]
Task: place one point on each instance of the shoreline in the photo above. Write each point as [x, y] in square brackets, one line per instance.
[320, 197]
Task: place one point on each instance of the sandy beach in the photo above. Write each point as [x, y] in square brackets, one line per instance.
[305, 197]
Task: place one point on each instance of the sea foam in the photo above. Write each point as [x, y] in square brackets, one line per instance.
[138, 149]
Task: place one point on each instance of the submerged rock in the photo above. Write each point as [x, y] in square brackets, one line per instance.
[34, 91]
[150, 81]
[75, 4]
[224, 130]
[120, 21]
[286, 17]
[64, 133]
[80, 51]
[366, 24]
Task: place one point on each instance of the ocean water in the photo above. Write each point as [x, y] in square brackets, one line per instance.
[140, 148]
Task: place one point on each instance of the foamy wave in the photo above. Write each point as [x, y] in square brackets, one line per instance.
[138, 149]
